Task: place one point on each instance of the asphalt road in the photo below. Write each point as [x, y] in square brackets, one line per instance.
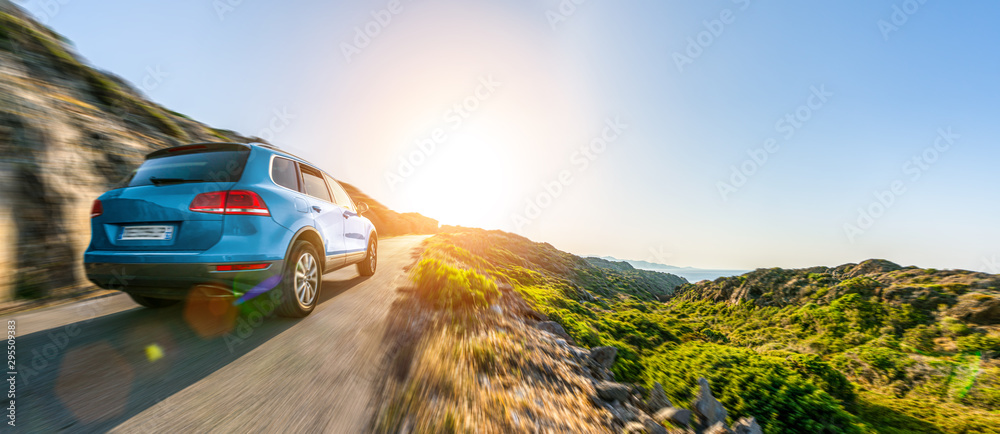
[107, 364]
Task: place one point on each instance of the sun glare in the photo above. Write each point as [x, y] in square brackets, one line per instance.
[464, 181]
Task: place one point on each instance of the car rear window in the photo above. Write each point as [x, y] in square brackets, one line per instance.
[197, 163]
[284, 174]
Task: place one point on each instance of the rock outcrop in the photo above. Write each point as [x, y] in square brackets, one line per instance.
[709, 410]
[970, 296]
[654, 414]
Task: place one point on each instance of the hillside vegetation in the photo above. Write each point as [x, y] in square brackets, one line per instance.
[870, 347]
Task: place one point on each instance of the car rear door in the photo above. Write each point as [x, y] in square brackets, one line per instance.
[329, 217]
[355, 228]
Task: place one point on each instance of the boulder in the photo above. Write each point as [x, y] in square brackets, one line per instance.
[554, 328]
[657, 399]
[718, 428]
[676, 416]
[611, 391]
[747, 426]
[652, 427]
[708, 409]
[603, 357]
[977, 308]
[634, 428]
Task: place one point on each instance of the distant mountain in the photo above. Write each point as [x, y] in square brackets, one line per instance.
[689, 273]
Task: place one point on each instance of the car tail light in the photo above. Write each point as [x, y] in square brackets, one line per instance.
[241, 267]
[237, 202]
[97, 209]
[245, 202]
[214, 202]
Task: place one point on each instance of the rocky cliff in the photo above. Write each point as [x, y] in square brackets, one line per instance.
[966, 295]
[68, 132]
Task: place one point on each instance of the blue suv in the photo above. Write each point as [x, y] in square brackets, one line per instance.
[247, 217]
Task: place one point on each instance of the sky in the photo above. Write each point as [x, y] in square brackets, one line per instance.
[717, 134]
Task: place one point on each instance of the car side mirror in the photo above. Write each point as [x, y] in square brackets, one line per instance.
[362, 207]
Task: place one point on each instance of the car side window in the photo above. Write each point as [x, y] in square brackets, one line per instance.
[340, 195]
[284, 173]
[314, 184]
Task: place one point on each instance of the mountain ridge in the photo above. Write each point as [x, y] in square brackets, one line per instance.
[692, 274]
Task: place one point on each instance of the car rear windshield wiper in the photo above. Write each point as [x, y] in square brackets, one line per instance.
[158, 181]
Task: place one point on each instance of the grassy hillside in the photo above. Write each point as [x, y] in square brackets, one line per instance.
[869, 347]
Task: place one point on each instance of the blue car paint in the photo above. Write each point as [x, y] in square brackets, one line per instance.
[201, 241]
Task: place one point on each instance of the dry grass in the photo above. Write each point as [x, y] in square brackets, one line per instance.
[483, 370]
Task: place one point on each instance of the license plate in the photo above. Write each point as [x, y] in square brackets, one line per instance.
[132, 233]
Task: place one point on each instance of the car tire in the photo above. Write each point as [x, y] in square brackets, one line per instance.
[367, 266]
[152, 302]
[300, 281]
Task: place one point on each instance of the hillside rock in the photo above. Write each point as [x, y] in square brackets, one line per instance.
[676, 416]
[708, 409]
[554, 328]
[977, 308]
[603, 357]
[610, 391]
[970, 296]
[866, 268]
[652, 426]
[717, 428]
[747, 426]
[657, 398]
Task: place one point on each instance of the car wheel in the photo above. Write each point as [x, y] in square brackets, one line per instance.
[367, 266]
[152, 302]
[300, 281]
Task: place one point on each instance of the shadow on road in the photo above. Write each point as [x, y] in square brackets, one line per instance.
[95, 374]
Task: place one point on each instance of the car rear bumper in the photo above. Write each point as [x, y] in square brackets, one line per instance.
[174, 280]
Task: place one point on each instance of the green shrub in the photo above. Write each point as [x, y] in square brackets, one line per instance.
[978, 342]
[450, 288]
[920, 338]
[771, 389]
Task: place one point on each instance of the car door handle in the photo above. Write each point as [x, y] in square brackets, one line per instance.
[348, 214]
[317, 209]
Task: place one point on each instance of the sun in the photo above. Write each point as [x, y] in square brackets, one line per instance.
[465, 181]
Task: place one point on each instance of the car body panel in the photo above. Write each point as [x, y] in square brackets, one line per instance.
[201, 241]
